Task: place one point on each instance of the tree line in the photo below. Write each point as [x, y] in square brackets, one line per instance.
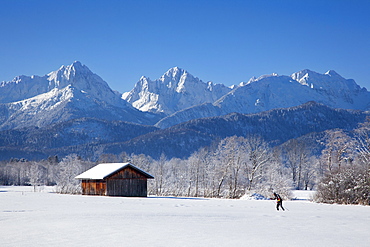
[230, 168]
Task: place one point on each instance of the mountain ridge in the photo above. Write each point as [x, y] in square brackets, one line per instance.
[275, 91]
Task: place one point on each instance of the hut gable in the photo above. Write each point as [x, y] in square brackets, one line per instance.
[127, 172]
[114, 179]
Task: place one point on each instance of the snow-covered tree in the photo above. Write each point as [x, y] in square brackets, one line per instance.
[297, 158]
[276, 177]
[338, 149]
[258, 155]
[69, 168]
[37, 175]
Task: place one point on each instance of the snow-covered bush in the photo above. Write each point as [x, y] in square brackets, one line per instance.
[348, 185]
[346, 176]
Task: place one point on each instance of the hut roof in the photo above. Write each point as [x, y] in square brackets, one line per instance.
[104, 170]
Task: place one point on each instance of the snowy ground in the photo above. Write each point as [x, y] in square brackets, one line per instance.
[42, 218]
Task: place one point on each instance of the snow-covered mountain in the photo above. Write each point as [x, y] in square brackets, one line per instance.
[70, 92]
[174, 91]
[53, 104]
[74, 91]
[269, 92]
[274, 91]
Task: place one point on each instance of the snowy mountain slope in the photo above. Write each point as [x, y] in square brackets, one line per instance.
[174, 91]
[81, 78]
[273, 91]
[71, 133]
[76, 75]
[194, 112]
[71, 92]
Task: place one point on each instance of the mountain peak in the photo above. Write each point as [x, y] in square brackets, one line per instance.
[69, 71]
[332, 73]
[176, 69]
[77, 63]
[76, 68]
[298, 76]
[177, 79]
[174, 72]
[82, 78]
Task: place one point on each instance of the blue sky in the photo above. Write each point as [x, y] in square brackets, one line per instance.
[221, 41]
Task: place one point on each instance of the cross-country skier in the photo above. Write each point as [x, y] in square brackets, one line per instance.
[279, 201]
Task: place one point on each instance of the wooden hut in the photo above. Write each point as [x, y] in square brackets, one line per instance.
[115, 179]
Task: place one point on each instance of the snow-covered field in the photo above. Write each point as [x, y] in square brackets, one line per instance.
[43, 218]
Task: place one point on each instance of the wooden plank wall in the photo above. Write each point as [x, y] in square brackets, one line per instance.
[93, 187]
[127, 187]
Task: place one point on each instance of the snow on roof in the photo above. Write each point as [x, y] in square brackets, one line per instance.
[102, 171]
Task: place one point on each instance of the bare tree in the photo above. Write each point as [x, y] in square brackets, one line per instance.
[159, 174]
[309, 173]
[37, 175]
[257, 157]
[362, 136]
[224, 161]
[337, 150]
[240, 163]
[198, 163]
[177, 177]
[296, 155]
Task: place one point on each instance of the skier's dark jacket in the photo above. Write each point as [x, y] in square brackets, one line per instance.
[277, 197]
